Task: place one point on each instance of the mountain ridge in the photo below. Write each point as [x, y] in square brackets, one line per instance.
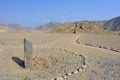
[113, 24]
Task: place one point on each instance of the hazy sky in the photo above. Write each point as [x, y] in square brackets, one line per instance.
[37, 12]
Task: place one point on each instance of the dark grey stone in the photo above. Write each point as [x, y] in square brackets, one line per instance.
[28, 54]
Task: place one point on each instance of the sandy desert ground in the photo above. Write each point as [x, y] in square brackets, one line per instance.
[60, 56]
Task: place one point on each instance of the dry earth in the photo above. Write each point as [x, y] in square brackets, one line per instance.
[60, 56]
[110, 42]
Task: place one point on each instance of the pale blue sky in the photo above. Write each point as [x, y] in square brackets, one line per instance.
[37, 12]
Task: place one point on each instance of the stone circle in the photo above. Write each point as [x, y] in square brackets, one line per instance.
[54, 62]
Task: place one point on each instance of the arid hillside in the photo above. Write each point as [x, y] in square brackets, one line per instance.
[80, 27]
[113, 24]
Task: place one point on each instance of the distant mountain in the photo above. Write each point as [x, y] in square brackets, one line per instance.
[48, 26]
[113, 24]
[15, 26]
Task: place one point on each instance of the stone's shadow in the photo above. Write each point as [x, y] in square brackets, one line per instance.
[18, 61]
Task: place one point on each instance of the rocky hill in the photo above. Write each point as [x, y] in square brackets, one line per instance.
[80, 27]
[10, 27]
[15, 27]
[113, 24]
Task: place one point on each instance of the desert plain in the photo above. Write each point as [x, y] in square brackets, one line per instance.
[60, 56]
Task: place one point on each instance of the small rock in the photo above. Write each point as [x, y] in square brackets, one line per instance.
[65, 76]
[60, 78]
[69, 74]
[27, 78]
[84, 66]
[117, 51]
[80, 69]
[75, 72]
[100, 46]
[104, 48]
[83, 69]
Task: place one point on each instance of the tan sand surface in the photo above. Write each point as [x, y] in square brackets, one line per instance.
[100, 63]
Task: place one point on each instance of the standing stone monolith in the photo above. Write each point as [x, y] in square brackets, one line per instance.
[28, 54]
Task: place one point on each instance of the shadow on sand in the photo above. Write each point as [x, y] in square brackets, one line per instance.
[18, 61]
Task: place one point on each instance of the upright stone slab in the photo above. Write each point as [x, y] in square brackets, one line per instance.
[28, 54]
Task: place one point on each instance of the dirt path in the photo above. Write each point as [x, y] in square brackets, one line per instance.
[100, 61]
